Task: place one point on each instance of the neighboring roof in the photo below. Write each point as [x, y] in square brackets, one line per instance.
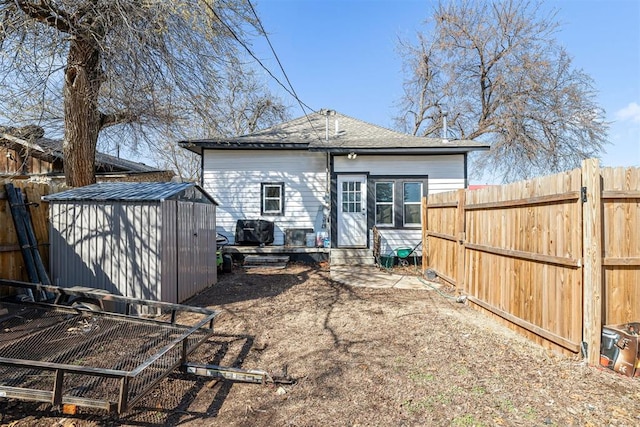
[105, 162]
[330, 131]
[134, 191]
[50, 150]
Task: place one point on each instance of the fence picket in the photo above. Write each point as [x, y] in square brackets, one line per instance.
[523, 261]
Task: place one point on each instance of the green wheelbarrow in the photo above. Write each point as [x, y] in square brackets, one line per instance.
[403, 255]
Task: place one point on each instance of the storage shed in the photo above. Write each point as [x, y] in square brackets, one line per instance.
[150, 240]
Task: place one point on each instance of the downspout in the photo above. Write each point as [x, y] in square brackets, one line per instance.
[327, 193]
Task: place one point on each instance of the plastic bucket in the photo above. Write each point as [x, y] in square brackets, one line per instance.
[310, 239]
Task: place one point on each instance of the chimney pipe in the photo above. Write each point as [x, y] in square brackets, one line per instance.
[444, 127]
[326, 128]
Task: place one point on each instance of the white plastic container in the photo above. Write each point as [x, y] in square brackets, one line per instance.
[310, 239]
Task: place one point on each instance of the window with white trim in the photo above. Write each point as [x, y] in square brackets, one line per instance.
[272, 202]
[412, 206]
[384, 203]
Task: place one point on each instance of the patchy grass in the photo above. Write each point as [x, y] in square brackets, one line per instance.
[363, 357]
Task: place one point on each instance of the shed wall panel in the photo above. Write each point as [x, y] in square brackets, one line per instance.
[197, 251]
[233, 178]
[206, 215]
[111, 246]
[169, 252]
[186, 244]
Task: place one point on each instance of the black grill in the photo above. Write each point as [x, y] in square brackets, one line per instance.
[254, 232]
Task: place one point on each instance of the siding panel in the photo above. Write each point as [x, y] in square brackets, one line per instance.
[391, 239]
[440, 167]
[233, 178]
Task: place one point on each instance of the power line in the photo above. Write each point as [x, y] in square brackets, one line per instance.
[277, 58]
[291, 91]
[302, 104]
[243, 44]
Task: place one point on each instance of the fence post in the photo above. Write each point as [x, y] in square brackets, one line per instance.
[461, 235]
[425, 227]
[592, 259]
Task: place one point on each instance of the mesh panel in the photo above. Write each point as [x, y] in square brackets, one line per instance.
[142, 349]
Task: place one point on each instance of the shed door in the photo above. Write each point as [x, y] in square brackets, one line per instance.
[196, 261]
[352, 211]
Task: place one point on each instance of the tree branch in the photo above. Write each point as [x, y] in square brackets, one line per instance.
[120, 117]
[46, 13]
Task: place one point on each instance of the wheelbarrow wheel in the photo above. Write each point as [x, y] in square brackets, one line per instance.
[227, 263]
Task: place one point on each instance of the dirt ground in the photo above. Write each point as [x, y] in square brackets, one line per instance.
[363, 357]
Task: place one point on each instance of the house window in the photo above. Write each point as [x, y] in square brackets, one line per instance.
[272, 198]
[412, 194]
[351, 196]
[384, 203]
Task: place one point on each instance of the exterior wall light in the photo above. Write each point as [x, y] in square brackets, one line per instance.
[352, 155]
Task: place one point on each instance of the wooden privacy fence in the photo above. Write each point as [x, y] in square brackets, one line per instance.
[555, 258]
[11, 262]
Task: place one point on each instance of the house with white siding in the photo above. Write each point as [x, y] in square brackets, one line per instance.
[332, 174]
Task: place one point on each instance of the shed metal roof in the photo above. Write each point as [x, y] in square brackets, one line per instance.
[134, 191]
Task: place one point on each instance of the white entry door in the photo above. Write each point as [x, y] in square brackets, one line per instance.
[352, 211]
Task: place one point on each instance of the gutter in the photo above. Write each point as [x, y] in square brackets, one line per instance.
[412, 150]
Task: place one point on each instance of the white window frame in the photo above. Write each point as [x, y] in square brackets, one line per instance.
[264, 198]
[419, 203]
[392, 203]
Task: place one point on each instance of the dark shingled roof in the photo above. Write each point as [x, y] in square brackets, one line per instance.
[134, 191]
[104, 161]
[50, 150]
[331, 131]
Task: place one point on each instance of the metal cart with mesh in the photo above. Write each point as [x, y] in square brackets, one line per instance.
[68, 351]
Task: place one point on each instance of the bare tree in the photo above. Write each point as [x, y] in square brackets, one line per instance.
[496, 71]
[101, 63]
[242, 104]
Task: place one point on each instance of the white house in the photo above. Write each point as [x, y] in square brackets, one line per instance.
[329, 172]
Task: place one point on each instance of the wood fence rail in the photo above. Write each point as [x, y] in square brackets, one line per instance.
[555, 258]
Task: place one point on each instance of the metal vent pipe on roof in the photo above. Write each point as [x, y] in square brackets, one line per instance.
[444, 127]
[326, 128]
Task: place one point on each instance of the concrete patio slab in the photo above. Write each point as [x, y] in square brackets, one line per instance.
[374, 277]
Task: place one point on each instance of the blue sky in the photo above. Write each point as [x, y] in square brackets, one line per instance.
[342, 54]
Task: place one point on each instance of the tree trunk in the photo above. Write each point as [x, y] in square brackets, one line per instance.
[81, 114]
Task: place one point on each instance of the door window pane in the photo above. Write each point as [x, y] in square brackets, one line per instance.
[351, 196]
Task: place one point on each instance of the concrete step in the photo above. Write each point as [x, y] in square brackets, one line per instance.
[265, 261]
[352, 257]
